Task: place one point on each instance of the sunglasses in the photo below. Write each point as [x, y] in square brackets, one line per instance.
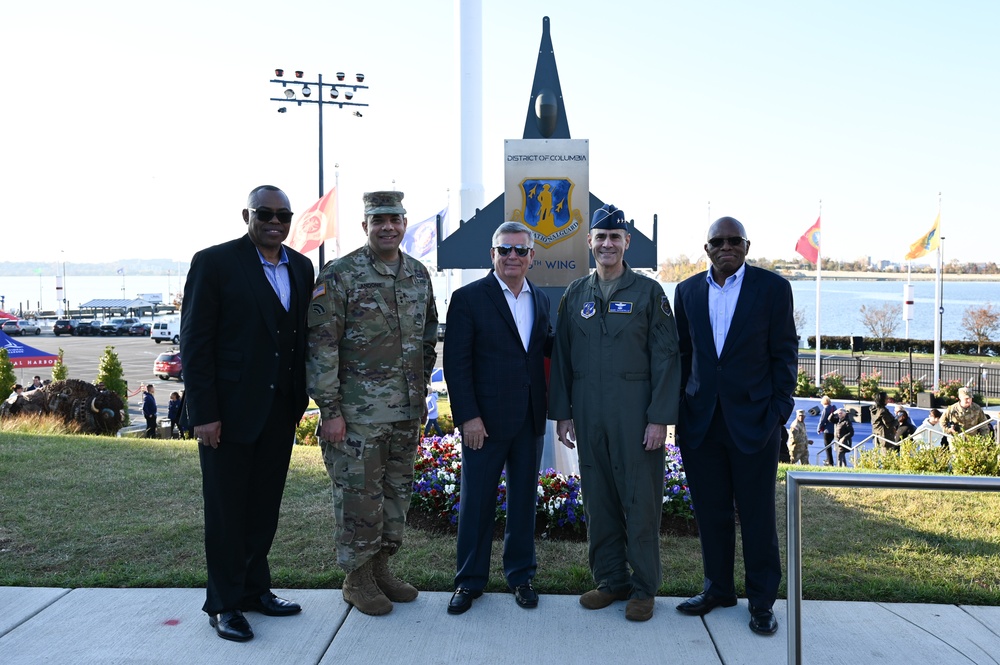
[265, 215]
[734, 241]
[504, 250]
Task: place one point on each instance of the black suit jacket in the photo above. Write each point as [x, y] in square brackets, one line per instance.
[754, 376]
[489, 373]
[229, 337]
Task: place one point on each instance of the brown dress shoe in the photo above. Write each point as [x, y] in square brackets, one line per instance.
[598, 599]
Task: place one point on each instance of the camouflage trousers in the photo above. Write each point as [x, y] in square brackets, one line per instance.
[371, 492]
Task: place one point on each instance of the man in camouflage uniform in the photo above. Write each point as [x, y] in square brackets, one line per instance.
[615, 384]
[798, 442]
[371, 348]
[963, 415]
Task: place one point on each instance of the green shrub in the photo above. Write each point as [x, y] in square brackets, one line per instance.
[804, 386]
[833, 386]
[7, 377]
[947, 393]
[870, 385]
[305, 431]
[975, 455]
[878, 458]
[907, 389]
[918, 457]
[59, 371]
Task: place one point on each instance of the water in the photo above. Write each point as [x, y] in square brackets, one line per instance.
[841, 300]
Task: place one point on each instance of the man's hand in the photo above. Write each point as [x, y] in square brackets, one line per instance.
[566, 433]
[333, 430]
[210, 434]
[656, 434]
[474, 433]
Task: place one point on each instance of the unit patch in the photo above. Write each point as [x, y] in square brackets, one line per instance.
[588, 310]
[665, 305]
[619, 307]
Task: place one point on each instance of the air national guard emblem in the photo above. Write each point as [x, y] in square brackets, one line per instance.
[548, 209]
[588, 310]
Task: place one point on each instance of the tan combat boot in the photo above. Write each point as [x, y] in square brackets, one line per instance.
[394, 588]
[360, 591]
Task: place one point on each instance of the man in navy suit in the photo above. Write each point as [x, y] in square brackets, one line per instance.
[243, 335]
[738, 367]
[497, 337]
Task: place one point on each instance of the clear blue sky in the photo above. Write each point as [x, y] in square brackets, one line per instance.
[137, 129]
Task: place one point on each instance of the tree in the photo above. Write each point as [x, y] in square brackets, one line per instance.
[110, 373]
[799, 316]
[59, 371]
[981, 324]
[881, 322]
[7, 377]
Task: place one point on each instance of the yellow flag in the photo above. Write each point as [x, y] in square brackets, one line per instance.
[927, 243]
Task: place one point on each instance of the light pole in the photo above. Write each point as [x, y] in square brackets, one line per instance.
[304, 96]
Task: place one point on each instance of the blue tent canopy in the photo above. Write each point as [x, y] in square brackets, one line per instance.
[22, 355]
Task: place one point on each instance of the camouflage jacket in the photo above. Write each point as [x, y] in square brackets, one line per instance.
[957, 420]
[371, 339]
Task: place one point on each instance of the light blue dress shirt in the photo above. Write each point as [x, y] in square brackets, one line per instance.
[277, 276]
[722, 304]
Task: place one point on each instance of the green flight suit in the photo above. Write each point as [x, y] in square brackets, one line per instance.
[615, 368]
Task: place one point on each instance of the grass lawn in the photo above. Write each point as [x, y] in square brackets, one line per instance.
[92, 511]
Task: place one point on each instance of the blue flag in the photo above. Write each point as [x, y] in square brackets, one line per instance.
[420, 240]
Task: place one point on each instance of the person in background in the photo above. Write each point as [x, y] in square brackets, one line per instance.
[825, 427]
[149, 411]
[933, 432]
[883, 423]
[174, 412]
[904, 425]
[36, 383]
[798, 442]
[963, 415]
[843, 433]
[432, 414]
[18, 389]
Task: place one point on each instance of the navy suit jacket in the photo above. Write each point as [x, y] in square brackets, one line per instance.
[754, 376]
[489, 373]
[229, 338]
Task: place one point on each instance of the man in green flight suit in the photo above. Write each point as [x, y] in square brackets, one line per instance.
[370, 352]
[615, 382]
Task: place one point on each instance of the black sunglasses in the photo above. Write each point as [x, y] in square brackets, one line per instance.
[504, 250]
[734, 241]
[265, 215]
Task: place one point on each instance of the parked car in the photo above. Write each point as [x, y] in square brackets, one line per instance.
[168, 365]
[65, 327]
[21, 327]
[441, 328]
[140, 329]
[117, 326]
[169, 331]
[88, 328]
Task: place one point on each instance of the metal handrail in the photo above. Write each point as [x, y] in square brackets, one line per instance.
[796, 479]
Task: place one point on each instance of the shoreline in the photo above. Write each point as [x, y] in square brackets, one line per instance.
[874, 276]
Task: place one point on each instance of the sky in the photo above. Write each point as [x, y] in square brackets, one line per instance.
[136, 130]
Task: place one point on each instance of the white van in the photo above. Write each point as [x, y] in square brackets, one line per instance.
[166, 331]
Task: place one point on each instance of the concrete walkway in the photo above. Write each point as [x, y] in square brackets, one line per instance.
[43, 625]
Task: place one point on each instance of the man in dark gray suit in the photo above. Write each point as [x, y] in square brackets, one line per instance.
[497, 338]
[739, 357]
[243, 342]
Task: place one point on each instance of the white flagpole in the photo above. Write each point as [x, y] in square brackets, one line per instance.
[938, 304]
[819, 273]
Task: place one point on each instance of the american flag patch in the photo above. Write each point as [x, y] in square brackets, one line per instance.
[320, 290]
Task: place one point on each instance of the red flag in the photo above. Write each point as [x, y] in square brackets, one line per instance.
[315, 225]
[808, 244]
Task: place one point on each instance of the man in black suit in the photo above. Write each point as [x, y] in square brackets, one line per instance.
[494, 347]
[243, 342]
[738, 368]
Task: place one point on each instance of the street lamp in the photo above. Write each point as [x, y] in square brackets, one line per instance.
[305, 96]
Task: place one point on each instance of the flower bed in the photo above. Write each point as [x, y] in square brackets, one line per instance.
[437, 482]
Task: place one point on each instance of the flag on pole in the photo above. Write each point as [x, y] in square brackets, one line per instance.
[808, 244]
[420, 240]
[315, 225]
[121, 271]
[928, 243]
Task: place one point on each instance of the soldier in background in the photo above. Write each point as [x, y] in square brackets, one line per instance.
[963, 415]
[798, 445]
[371, 349]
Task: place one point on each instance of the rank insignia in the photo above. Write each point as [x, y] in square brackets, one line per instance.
[665, 305]
[588, 310]
[619, 307]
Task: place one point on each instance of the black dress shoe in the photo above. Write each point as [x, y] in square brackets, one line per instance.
[231, 626]
[763, 622]
[525, 595]
[462, 599]
[704, 603]
[271, 605]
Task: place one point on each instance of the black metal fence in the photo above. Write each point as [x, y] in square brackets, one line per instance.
[981, 379]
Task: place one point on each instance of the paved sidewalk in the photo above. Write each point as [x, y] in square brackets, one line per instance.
[43, 625]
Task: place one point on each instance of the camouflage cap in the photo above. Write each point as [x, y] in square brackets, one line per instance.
[384, 203]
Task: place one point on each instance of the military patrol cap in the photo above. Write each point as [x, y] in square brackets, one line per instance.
[608, 217]
[384, 203]
[963, 393]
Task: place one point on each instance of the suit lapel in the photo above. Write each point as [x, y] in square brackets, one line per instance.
[744, 307]
[499, 300]
[538, 331]
[698, 312]
[263, 294]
